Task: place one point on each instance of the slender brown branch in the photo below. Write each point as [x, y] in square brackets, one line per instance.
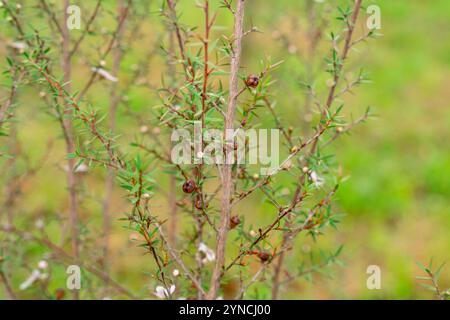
[65, 256]
[227, 180]
[52, 16]
[171, 4]
[87, 29]
[12, 94]
[7, 285]
[343, 57]
[70, 145]
[108, 49]
[180, 262]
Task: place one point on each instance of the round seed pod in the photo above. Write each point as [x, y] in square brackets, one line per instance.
[234, 222]
[252, 81]
[264, 256]
[59, 294]
[189, 186]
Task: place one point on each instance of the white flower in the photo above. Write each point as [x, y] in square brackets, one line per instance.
[35, 275]
[206, 254]
[82, 168]
[176, 272]
[18, 45]
[317, 181]
[39, 224]
[42, 264]
[105, 74]
[200, 155]
[163, 293]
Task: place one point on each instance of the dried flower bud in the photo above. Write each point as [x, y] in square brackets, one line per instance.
[143, 129]
[330, 83]
[264, 256]
[234, 222]
[252, 81]
[292, 49]
[199, 203]
[287, 165]
[189, 186]
[59, 294]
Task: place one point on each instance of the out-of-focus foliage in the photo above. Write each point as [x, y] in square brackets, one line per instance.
[397, 199]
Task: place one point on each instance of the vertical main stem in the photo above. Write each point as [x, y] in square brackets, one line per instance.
[70, 146]
[227, 179]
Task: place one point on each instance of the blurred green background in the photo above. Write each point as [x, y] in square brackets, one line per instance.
[397, 202]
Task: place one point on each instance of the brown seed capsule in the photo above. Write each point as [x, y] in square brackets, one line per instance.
[234, 222]
[264, 256]
[252, 81]
[189, 186]
[59, 294]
